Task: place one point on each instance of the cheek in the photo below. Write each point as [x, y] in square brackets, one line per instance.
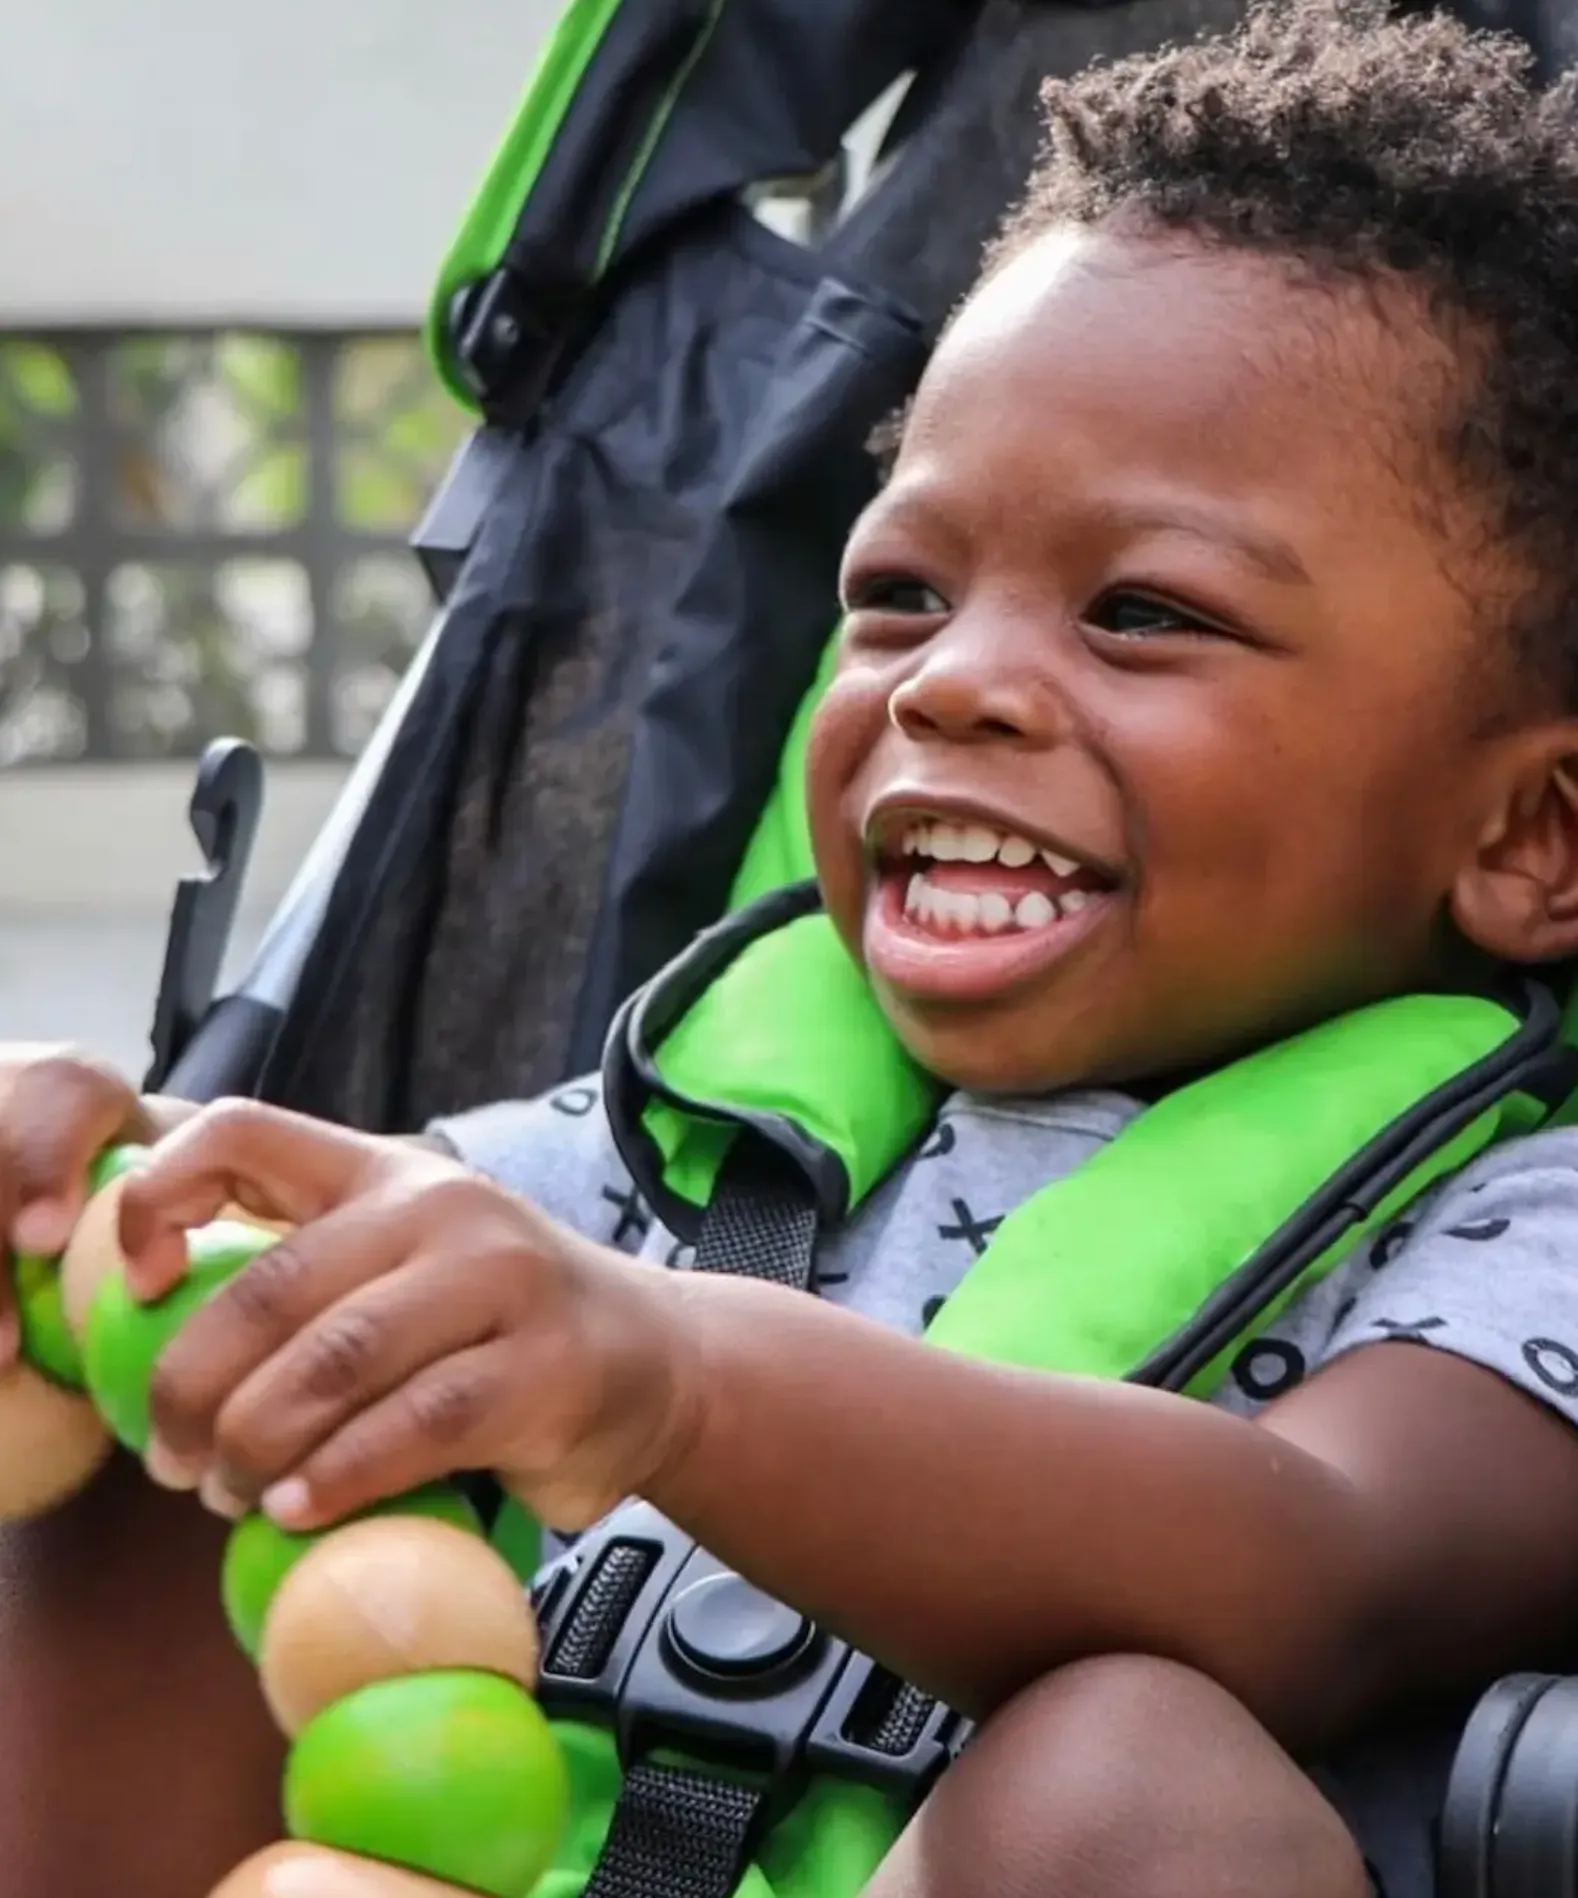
[1217, 790]
[1310, 828]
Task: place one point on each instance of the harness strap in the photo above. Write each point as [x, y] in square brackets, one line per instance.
[760, 1223]
[678, 1832]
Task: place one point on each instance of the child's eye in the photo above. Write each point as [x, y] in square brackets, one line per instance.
[1135, 615]
[893, 593]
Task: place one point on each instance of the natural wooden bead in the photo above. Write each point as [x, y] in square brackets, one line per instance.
[314, 1871]
[93, 1250]
[51, 1443]
[388, 1596]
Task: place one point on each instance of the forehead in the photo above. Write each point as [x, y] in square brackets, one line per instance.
[1092, 359]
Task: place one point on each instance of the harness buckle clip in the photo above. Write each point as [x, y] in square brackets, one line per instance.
[646, 1633]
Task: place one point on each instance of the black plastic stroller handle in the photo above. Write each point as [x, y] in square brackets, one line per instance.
[226, 1046]
[226, 804]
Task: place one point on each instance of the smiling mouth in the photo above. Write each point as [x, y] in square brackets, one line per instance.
[962, 910]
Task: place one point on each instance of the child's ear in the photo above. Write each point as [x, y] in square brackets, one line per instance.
[1516, 899]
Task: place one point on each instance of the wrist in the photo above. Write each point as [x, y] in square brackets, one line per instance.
[716, 1330]
[631, 1397]
[671, 1420]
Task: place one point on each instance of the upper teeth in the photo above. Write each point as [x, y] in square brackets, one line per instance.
[978, 843]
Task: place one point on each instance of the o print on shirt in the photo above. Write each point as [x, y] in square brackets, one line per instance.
[1555, 1364]
[1407, 1330]
[1480, 1231]
[944, 1138]
[1268, 1368]
[1388, 1242]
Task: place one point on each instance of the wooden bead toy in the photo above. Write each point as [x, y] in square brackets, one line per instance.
[454, 1774]
[48, 1342]
[259, 1554]
[397, 1650]
[390, 1596]
[52, 1439]
[52, 1442]
[92, 1252]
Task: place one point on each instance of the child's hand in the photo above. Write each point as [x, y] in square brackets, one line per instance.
[57, 1110]
[420, 1321]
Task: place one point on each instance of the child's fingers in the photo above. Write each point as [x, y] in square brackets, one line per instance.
[57, 1110]
[278, 1165]
[430, 1427]
[355, 1355]
[269, 1301]
[60, 1110]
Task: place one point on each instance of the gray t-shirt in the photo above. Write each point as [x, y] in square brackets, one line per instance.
[1485, 1267]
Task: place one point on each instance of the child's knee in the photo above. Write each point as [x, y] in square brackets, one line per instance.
[1125, 1777]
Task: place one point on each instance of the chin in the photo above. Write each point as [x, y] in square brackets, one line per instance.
[980, 1052]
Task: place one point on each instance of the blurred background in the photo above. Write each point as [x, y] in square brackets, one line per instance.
[218, 228]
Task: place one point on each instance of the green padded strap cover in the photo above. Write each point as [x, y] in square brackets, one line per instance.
[1096, 1271]
[791, 1029]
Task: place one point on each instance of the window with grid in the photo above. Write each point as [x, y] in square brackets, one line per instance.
[205, 534]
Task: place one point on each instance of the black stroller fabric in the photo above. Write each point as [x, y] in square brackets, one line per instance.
[648, 594]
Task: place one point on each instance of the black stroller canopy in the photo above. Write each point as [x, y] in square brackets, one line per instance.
[638, 551]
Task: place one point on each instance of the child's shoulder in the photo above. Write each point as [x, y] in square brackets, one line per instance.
[557, 1150]
[1521, 1197]
[1484, 1266]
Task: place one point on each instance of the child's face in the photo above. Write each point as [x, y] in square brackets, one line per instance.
[1150, 592]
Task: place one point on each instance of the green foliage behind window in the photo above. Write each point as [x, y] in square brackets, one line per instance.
[205, 533]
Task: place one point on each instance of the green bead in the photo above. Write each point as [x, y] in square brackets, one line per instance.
[47, 1340]
[518, 1538]
[123, 1339]
[454, 1774]
[47, 1343]
[259, 1554]
[111, 1164]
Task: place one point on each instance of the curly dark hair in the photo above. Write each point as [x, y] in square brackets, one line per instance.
[1376, 147]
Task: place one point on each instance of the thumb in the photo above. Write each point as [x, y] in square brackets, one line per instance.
[281, 1167]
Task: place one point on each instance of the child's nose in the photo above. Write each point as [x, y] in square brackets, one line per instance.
[967, 696]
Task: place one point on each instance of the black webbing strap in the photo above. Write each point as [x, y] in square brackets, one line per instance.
[675, 1834]
[760, 1224]
[678, 1833]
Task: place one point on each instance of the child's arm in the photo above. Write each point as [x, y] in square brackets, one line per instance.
[1407, 1521]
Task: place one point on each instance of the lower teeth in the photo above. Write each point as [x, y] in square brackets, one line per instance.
[990, 914]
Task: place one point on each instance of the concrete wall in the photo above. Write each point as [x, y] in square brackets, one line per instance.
[294, 162]
[108, 840]
[88, 861]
